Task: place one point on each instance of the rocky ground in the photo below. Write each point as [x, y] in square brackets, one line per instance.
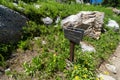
[110, 69]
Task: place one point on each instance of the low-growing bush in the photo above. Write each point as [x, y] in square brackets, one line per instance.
[111, 3]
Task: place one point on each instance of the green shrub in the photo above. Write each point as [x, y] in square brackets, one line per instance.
[112, 3]
[6, 50]
[31, 30]
[28, 1]
[2, 61]
[5, 53]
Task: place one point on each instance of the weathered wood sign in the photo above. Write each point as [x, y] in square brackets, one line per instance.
[74, 35]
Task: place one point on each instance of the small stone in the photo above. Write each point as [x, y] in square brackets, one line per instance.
[79, 1]
[114, 57]
[36, 38]
[43, 42]
[87, 3]
[105, 77]
[7, 70]
[37, 6]
[47, 21]
[113, 24]
[116, 11]
[87, 47]
[15, 4]
[111, 68]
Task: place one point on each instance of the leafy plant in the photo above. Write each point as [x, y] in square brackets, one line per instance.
[112, 3]
[2, 61]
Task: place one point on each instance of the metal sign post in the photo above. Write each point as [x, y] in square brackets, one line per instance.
[74, 35]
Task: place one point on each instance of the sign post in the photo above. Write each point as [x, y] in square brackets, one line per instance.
[74, 35]
[72, 45]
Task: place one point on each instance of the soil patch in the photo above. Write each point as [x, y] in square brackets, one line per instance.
[16, 61]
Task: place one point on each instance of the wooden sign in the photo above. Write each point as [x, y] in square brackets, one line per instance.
[74, 34]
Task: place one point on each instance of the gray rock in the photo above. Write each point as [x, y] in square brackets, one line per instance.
[47, 21]
[37, 6]
[87, 3]
[87, 47]
[79, 1]
[105, 77]
[116, 11]
[111, 68]
[113, 24]
[44, 42]
[7, 70]
[57, 20]
[90, 21]
[11, 23]
[36, 38]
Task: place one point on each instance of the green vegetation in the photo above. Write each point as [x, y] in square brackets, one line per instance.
[112, 3]
[52, 62]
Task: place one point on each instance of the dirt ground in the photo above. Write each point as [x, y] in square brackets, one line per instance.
[113, 60]
[17, 60]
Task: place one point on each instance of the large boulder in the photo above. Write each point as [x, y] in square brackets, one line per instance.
[11, 23]
[90, 21]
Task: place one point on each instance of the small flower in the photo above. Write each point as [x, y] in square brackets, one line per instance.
[97, 79]
[75, 67]
[106, 72]
[54, 60]
[85, 75]
[77, 78]
[111, 44]
[85, 69]
[101, 78]
[54, 55]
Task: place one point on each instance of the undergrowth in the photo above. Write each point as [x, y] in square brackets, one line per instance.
[52, 62]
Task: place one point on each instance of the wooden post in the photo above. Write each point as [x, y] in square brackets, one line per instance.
[72, 45]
